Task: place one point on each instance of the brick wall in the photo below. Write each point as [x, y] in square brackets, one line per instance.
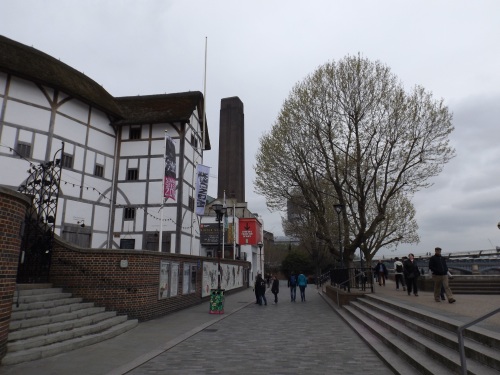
[12, 211]
[96, 275]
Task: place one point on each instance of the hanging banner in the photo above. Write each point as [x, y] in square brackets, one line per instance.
[169, 183]
[202, 173]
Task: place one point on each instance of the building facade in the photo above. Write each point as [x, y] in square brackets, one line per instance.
[112, 153]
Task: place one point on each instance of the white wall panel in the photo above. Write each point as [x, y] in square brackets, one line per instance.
[100, 121]
[76, 211]
[14, 171]
[8, 138]
[78, 159]
[68, 128]
[158, 147]
[155, 192]
[102, 142]
[108, 168]
[101, 218]
[156, 168]
[134, 191]
[90, 162]
[26, 115]
[134, 148]
[122, 169]
[40, 146]
[143, 169]
[75, 109]
[27, 91]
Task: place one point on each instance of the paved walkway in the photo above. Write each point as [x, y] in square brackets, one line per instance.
[287, 338]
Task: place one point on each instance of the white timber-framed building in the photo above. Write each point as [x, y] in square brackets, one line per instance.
[113, 164]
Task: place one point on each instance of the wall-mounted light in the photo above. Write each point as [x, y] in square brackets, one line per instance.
[81, 223]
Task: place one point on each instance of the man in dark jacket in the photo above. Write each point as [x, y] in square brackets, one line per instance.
[439, 269]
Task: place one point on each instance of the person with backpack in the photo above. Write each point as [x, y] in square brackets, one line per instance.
[398, 273]
[261, 289]
[302, 283]
[292, 284]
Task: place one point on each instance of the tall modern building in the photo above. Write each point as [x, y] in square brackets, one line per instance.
[231, 171]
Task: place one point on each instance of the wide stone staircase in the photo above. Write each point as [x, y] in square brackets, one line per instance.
[46, 321]
[415, 341]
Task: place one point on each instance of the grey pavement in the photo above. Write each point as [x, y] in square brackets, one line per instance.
[287, 338]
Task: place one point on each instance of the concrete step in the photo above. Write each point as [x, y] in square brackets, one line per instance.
[32, 354]
[73, 304]
[62, 325]
[53, 337]
[436, 342]
[48, 321]
[480, 351]
[73, 311]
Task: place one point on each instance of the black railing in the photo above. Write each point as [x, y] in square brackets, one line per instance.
[347, 278]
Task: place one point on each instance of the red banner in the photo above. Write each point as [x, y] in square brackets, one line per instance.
[249, 231]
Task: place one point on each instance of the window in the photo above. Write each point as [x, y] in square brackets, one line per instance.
[98, 170]
[135, 133]
[129, 213]
[191, 204]
[127, 243]
[24, 149]
[132, 174]
[194, 141]
[67, 161]
[189, 278]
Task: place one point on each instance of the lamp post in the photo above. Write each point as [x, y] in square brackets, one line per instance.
[338, 209]
[260, 244]
[220, 211]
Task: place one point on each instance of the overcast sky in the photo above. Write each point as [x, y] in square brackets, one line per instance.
[258, 50]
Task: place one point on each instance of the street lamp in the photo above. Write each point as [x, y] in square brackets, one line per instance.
[338, 209]
[260, 244]
[220, 211]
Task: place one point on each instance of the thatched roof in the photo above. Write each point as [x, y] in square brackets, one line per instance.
[34, 65]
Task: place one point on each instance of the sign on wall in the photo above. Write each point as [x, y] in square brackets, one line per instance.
[249, 231]
[231, 277]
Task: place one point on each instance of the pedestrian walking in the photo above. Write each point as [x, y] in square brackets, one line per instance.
[255, 289]
[302, 282]
[439, 269]
[381, 271]
[292, 284]
[275, 288]
[261, 289]
[398, 273]
[411, 272]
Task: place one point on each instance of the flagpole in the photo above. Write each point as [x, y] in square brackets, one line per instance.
[224, 224]
[162, 193]
[234, 229]
[204, 99]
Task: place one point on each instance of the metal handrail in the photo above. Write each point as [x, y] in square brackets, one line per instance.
[463, 360]
[337, 290]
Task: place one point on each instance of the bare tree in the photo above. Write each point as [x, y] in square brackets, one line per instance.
[351, 134]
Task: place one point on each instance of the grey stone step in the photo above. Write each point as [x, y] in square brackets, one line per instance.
[74, 304]
[45, 304]
[12, 358]
[61, 325]
[51, 338]
[47, 318]
[428, 339]
[395, 362]
[33, 298]
[481, 353]
[402, 348]
[488, 338]
[36, 291]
